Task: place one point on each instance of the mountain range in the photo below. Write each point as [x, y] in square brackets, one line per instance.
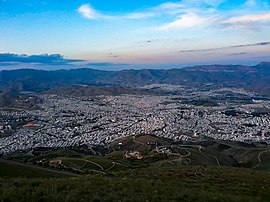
[206, 76]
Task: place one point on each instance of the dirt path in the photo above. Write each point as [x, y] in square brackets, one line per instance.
[259, 158]
[88, 161]
[218, 163]
[113, 164]
[200, 150]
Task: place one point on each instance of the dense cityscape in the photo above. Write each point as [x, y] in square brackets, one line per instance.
[63, 121]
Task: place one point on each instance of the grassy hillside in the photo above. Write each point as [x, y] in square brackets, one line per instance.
[170, 183]
[120, 155]
[203, 171]
[9, 169]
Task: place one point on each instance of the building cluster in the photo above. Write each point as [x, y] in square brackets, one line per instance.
[63, 121]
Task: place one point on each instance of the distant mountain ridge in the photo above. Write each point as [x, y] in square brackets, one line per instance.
[251, 77]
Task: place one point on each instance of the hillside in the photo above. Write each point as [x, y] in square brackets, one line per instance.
[11, 169]
[168, 171]
[152, 184]
[151, 151]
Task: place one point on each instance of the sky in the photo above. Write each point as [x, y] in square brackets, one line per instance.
[121, 34]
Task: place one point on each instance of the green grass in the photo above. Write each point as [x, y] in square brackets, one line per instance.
[73, 163]
[65, 152]
[116, 155]
[149, 184]
[265, 161]
[87, 162]
[9, 170]
[104, 162]
[157, 177]
[91, 166]
[201, 158]
[265, 165]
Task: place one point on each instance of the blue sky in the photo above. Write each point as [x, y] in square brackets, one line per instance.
[141, 33]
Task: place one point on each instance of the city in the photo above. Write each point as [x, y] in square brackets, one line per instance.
[65, 121]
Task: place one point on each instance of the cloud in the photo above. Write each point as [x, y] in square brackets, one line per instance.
[254, 44]
[196, 13]
[186, 21]
[247, 21]
[88, 12]
[139, 15]
[207, 12]
[254, 4]
[165, 8]
[227, 47]
[173, 8]
[53, 59]
[169, 8]
[241, 53]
